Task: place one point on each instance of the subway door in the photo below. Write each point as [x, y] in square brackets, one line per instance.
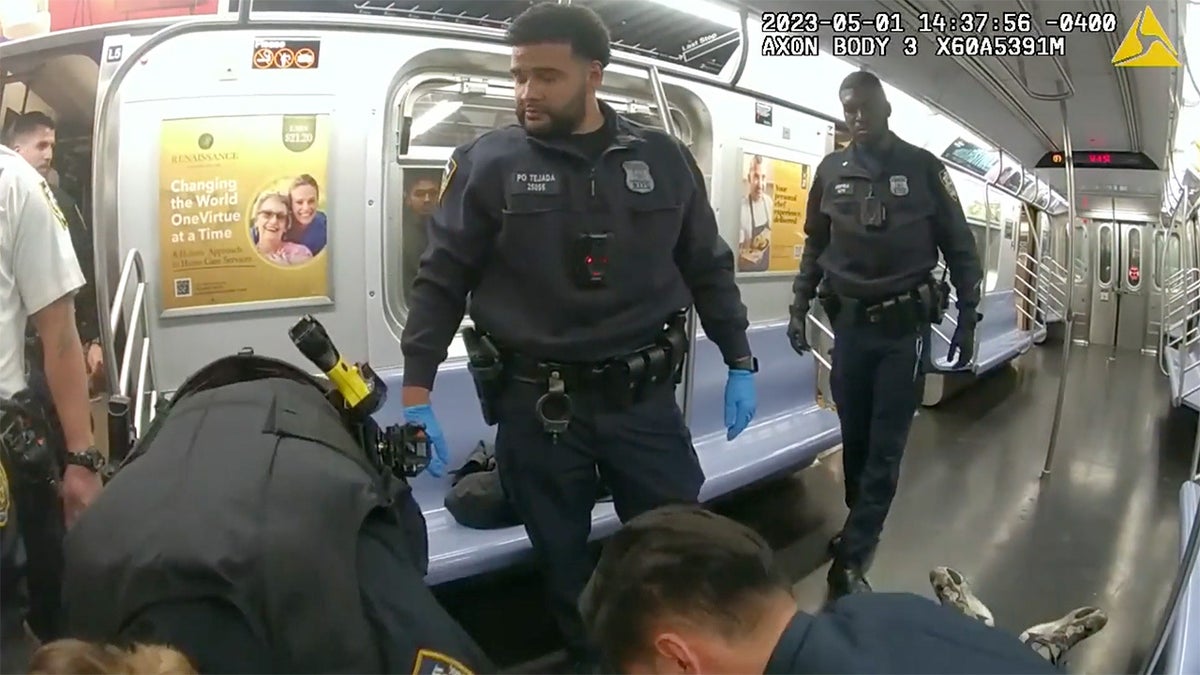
[1081, 277]
[1133, 296]
[1103, 320]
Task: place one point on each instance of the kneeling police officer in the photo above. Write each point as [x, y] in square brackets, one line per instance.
[878, 213]
[581, 239]
[265, 524]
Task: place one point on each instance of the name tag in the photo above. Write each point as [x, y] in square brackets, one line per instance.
[534, 183]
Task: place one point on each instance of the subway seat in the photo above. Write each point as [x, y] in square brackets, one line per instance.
[788, 433]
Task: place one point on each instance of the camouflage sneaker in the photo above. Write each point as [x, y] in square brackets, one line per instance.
[952, 590]
[1055, 638]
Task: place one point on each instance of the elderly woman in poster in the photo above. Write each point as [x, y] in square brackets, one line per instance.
[272, 220]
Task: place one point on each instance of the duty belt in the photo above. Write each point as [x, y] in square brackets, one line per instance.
[618, 382]
[918, 304]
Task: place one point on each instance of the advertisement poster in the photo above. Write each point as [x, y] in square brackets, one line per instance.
[771, 218]
[242, 209]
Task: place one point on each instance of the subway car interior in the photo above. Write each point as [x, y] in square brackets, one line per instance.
[1059, 469]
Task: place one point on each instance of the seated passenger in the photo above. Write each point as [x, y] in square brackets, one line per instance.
[680, 589]
[252, 530]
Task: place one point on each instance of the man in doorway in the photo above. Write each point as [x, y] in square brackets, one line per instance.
[33, 136]
[420, 198]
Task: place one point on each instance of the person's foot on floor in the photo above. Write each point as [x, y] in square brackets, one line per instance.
[1055, 638]
[952, 590]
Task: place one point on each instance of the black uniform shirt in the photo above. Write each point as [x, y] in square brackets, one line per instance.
[899, 633]
[507, 232]
[921, 214]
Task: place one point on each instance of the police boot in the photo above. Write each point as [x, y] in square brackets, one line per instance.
[845, 579]
[835, 543]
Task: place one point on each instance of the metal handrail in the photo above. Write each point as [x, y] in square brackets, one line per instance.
[118, 374]
[826, 330]
[1181, 300]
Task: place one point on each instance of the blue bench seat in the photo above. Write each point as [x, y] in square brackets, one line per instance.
[788, 433]
[1191, 378]
[1183, 652]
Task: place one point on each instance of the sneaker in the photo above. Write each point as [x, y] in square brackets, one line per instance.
[1055, 638]
[952, 590]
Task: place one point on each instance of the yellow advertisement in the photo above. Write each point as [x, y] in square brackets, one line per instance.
[242, 208]
[771, 222]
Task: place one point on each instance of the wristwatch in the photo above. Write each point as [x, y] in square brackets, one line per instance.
[90, 459]
[745, 363]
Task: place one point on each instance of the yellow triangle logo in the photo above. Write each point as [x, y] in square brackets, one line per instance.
[1159, 53]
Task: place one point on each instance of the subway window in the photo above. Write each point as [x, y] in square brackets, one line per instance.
[1081, 259]
[1174, 260]
[1133, 241]
[439, 115]
[1160, 252]
[1105, 253]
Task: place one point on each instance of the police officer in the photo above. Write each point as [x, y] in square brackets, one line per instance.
[295, 547]
[684, 590]
[878, 213]
[580, 237]
[38, 279]
[33, 136]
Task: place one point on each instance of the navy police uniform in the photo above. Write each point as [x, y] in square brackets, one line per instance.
[899, 633]
[875, 225]
[579, 255]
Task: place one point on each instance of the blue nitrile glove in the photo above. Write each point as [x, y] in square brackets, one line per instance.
[423, 416]
[740, 402]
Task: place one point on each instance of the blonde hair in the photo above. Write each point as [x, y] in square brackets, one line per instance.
[76, 657]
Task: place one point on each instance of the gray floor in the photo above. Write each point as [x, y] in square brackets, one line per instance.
[1102, 529]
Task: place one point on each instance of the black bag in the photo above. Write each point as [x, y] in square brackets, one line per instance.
[476, 496]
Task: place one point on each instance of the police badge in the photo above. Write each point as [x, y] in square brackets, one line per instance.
[637, 176]
[899, 185]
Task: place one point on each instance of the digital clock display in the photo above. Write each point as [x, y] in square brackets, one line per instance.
[1099, 159]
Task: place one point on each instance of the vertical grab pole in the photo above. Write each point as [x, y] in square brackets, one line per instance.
[1070, 314]
[689, 363]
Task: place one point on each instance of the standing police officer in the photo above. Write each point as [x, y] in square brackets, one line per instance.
[38, 278]
[878, 213]
[580, 238]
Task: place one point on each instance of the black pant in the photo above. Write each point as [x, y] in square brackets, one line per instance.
[876, 382]
[31, 559]
[644, 454]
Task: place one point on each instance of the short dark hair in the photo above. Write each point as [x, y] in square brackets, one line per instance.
[26, 123]
[575, 25]
[680, 560]
[861, 79]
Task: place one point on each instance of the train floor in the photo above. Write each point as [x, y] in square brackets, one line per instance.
[1101, 529]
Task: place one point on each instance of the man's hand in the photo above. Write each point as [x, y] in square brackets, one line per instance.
[80, 486]
[93, 359]
[962, 343]
[796, 328]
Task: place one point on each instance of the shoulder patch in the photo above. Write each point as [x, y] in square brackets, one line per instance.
[429, 662]
[948, 184]
[53, 203]
[447, 176]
